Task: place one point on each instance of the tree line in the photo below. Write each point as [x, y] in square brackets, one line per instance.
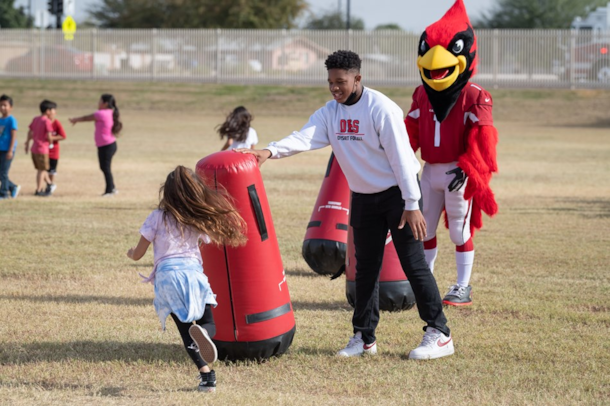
[287, 14]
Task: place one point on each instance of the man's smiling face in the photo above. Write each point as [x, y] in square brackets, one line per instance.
[342, 83]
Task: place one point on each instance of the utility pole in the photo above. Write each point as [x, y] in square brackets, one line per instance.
[347, 20]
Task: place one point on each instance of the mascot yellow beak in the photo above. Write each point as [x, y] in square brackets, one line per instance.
[439, 68]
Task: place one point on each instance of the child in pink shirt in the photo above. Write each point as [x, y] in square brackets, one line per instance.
[107, 128]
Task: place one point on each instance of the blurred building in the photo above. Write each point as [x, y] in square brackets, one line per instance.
[598, 20]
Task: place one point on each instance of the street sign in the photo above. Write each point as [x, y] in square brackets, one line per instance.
[69, 7]
[69, 28]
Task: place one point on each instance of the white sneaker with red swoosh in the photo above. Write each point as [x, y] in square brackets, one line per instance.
[356, 347]
[434, 345]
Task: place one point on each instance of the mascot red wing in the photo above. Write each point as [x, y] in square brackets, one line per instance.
[451, 122]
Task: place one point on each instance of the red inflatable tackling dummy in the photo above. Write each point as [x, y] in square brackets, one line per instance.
[395, 292]
[254, 318]
[325, 241]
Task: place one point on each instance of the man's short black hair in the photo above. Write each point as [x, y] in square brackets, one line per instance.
[346, 60]
[47, 105]
[9, 99]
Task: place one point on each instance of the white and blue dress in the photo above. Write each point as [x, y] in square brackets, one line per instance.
[181, 287]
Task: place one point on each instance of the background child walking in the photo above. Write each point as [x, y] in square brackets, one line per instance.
[41, 135]
[189, 213]
[107, 127]
[236, 129]
[8, 144]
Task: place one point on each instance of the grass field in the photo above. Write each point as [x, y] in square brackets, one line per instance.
[77, 327]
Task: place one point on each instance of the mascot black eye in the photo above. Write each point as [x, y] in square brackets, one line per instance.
[458, 47]
[423, 47]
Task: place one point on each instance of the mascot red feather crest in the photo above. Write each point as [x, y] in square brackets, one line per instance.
[454, 21]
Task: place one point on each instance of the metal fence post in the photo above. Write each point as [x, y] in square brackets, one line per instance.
[496, 52]
[217, 70]
[284, 58]
[572, 57]
[153, 64]
[41, 43]
[349, 39]
[93, 36]
[32, 48]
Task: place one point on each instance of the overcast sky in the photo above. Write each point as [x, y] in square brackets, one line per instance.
[411, 15]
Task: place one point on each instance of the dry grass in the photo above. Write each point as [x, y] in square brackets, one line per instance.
[77, 327]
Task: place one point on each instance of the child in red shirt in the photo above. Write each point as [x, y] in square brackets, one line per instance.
[58, 134]
[41, 131]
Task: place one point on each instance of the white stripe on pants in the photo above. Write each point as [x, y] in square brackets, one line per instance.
[436, 196]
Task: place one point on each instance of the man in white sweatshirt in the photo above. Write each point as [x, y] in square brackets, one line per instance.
[367, 134]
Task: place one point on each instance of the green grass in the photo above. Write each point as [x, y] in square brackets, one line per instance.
[77, 327]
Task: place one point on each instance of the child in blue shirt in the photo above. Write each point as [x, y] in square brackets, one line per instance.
[8, 144]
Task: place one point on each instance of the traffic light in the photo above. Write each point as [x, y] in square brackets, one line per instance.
[52, 6]
[55, 7]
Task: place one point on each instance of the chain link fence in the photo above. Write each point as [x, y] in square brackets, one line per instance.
[507, 58]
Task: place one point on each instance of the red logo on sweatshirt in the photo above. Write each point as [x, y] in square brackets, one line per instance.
[349, 131]
[350, 126]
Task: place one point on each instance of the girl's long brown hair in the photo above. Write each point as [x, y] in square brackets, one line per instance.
[117, 126]
[237, 125]
[193, 204]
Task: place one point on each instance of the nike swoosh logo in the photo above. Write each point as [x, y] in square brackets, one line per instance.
[441, 344]
[369, 346]
[487, 100]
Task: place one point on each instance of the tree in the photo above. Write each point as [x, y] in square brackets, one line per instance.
[11, 17]
[333, 20]
[260, 14]
[390, 26]
[536, 13]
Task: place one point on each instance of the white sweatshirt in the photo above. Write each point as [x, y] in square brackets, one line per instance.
[369, 140]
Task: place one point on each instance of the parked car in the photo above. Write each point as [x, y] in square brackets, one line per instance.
[51, 59]
[592, 61]
[590, 52]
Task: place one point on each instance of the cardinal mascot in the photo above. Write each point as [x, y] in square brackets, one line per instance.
[450, 120]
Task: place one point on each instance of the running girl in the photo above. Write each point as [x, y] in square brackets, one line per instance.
[189, 213]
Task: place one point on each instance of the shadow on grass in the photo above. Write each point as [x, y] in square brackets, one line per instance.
[109, 391]
[315, 351]
[115, 208]
[333, 306]
[105, 351]
[597, 208]
[142, 265]
[77, 299]
[92, 351]
[589, 208]
[599, 123]
[304, 274]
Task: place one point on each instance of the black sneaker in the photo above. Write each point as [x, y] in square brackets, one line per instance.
[458, 296]
[42, 193]
[204, 343]
[208, 381]
[50, 188]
